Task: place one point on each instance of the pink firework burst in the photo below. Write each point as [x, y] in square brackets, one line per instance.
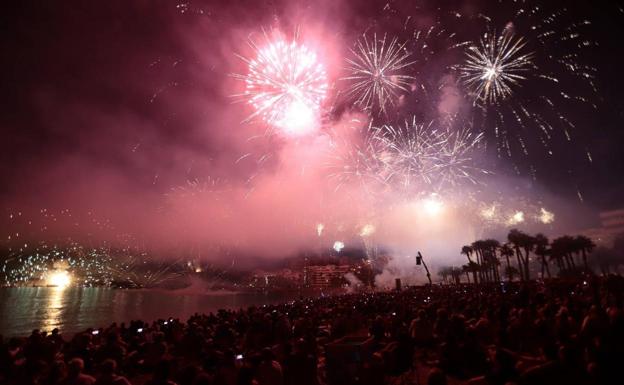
[286, 85]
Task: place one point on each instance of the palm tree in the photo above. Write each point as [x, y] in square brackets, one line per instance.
[444, 273]
[557, 252]
[506, 251]
[478, 247]
[586, 246]
[520, 241]
[473, 267]
[528, 244]
[569, 247]
[456, 273]
[477, 250]
[491, 245]
[466, 270]
[467, 251]
[481, 249]
[541, 249]
[562, 249]
[511, 272]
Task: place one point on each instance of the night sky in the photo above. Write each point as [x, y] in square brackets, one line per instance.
[111, 104]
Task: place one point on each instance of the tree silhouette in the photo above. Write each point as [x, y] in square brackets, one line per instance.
[522, 241]
[586, 246]
[466, 270]
[468, 251]
[541, 249]
[511, 272]
[562, 250]
[490, 246]
[456, 273]
[507, 252]
[444, 272]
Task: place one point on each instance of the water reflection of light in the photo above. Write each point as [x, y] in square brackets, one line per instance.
[54, 307]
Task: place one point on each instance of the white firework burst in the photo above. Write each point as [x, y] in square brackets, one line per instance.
[496, 66]
[422, 157]
[376, 73]
[523, 78]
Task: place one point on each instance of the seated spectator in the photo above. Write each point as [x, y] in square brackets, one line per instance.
[75, 375]
[269, 371]
[161, 375]
[108, 375]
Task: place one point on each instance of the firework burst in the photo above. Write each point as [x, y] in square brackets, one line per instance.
[422, 156]
[285, 84]
[376, 73]
[494, 67]
[512, 211]
[355, 160]
[522, 78]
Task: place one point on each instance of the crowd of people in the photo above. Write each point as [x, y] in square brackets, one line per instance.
[558, 332]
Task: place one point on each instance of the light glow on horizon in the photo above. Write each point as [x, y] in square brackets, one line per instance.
[433, 206]
[58, 278]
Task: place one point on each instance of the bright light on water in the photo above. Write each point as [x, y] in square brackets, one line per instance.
[58, 278]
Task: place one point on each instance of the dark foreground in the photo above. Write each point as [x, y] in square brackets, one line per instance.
[554, 333]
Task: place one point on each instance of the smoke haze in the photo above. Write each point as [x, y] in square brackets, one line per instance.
[126, 114]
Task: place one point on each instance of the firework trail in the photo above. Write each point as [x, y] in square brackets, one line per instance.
[376, 73]
[285, 84]
[133, 267]
[195, 187]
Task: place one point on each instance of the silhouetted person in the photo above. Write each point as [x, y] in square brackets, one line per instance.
[75, 375]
